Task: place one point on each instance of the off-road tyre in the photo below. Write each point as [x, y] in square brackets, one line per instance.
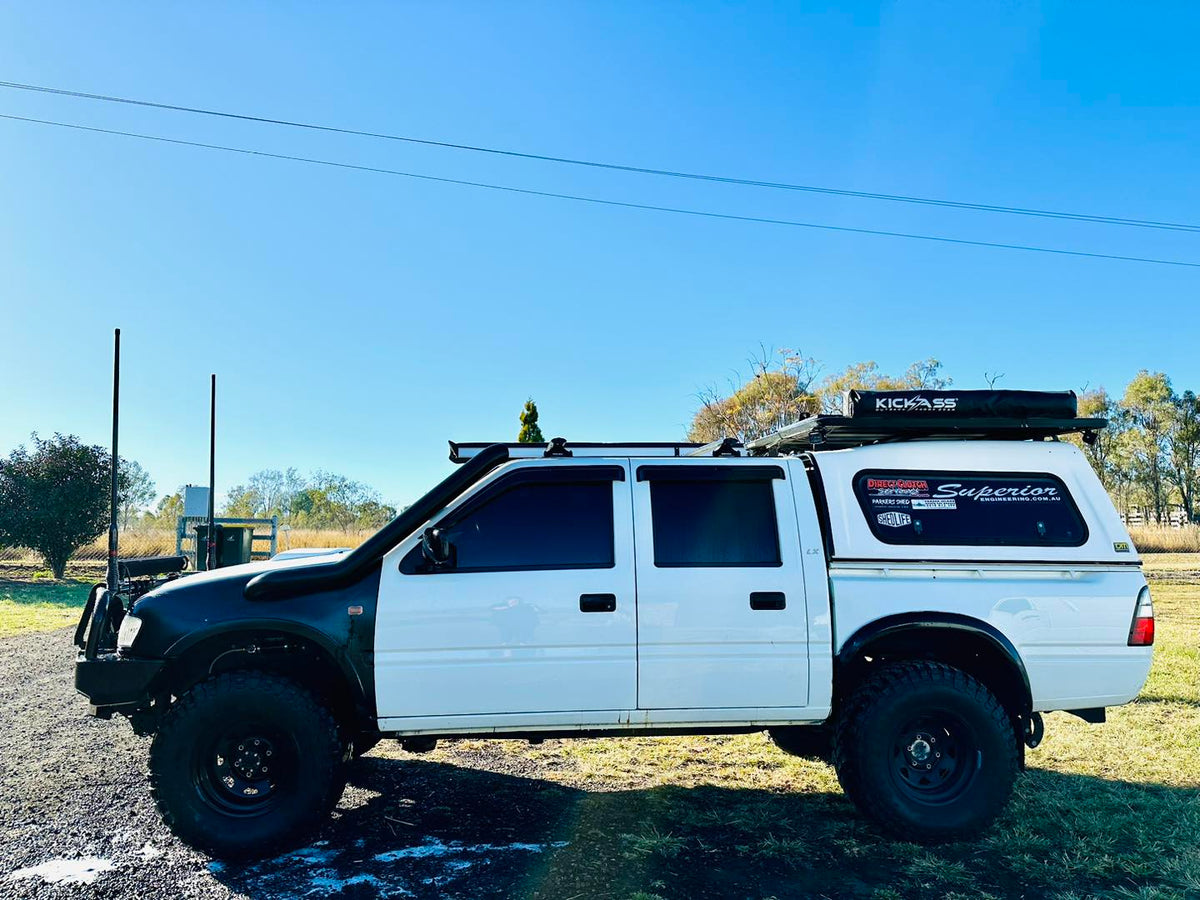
[246, 764]
[916, 788]
[813, 742]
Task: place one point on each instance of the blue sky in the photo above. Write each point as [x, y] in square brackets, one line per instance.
[358, 321]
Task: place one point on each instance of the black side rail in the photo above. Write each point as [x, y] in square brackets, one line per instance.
[340, 573]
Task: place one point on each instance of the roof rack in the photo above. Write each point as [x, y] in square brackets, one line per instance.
[841, 432]
[464, 451]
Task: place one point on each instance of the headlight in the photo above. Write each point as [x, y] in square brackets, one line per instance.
[130, 626]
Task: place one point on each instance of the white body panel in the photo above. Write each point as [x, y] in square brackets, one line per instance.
[852, 537]
[1067, 610]
[499, 652]
[700, 645]
[492, 643]
[1069, 625]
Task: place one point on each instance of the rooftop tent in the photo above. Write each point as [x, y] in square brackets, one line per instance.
[962, 404]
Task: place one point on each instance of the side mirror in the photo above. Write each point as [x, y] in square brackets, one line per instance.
[435, 548]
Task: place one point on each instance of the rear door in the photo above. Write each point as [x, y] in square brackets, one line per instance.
[534, 615]
[722, 621]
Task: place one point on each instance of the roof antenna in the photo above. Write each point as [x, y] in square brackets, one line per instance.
[113, 499]
[211, 552]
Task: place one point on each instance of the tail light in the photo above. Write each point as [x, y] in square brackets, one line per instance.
[1141, 632]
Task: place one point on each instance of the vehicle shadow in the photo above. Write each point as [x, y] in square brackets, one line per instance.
[410, 827]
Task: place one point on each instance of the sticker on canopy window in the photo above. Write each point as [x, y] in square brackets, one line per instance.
[999, 492]
[980, 508]
[897, 487]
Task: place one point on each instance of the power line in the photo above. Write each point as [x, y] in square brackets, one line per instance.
[601, 201]
[639, 170]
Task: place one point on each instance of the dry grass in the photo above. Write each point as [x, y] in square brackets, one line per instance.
[160, 542]
[1161, 539]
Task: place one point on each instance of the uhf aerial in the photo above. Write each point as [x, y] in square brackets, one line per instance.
[113, 578]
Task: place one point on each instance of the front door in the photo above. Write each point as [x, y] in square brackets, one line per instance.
[534, 612]
[722, 622]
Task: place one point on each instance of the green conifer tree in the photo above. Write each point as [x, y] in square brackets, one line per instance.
[530, 432]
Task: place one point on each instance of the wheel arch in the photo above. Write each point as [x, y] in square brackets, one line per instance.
[973, 645]
[293, 649]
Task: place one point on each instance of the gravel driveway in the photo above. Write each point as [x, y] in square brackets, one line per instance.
[76, 817]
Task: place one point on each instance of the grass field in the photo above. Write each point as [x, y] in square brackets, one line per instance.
[38, 603]
[1107, 810]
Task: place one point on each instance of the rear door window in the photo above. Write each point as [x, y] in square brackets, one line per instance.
[713, 517]
[969, 508]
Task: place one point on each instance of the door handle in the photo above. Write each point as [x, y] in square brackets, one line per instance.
[597, 602]
[768, 600]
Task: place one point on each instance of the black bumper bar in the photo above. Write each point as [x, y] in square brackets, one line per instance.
[115, 683]
[112, 683]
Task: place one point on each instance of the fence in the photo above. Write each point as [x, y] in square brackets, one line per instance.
[1136, 518]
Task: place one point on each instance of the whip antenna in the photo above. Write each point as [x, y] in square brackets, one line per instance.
[113, 500]
[211, 553]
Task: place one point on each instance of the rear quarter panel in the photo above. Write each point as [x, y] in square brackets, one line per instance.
[1067, 610]
[1069, 625]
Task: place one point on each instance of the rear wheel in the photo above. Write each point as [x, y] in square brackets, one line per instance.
[926, 751]
[245, 764]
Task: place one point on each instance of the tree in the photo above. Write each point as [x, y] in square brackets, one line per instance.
[530, 432]
[55, 497]
[1107, 453]
[169, 509]
[778, 393]
[1183, 460]
[136, 490]
[242, 502]
[925, 374]
[274, 489]
[373, 514]
[1150, 404]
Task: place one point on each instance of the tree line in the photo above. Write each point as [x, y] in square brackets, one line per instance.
[1148, 457]
[54, 494]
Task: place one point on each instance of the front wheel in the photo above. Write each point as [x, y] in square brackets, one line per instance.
[245, 764]
[926, 751]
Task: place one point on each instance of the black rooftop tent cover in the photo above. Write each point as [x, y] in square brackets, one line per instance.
[871, 417]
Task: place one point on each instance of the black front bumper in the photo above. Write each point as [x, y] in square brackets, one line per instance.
[115, 683]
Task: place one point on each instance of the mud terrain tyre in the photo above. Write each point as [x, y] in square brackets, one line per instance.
[246, 764]
[806, 741]
[926, 751]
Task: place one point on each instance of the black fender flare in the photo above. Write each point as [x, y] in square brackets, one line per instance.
[357, 688]
[941, 621]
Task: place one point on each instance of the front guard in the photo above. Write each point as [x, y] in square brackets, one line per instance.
[111, 682]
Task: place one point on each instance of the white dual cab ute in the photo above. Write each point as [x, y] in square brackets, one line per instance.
[901, 590]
